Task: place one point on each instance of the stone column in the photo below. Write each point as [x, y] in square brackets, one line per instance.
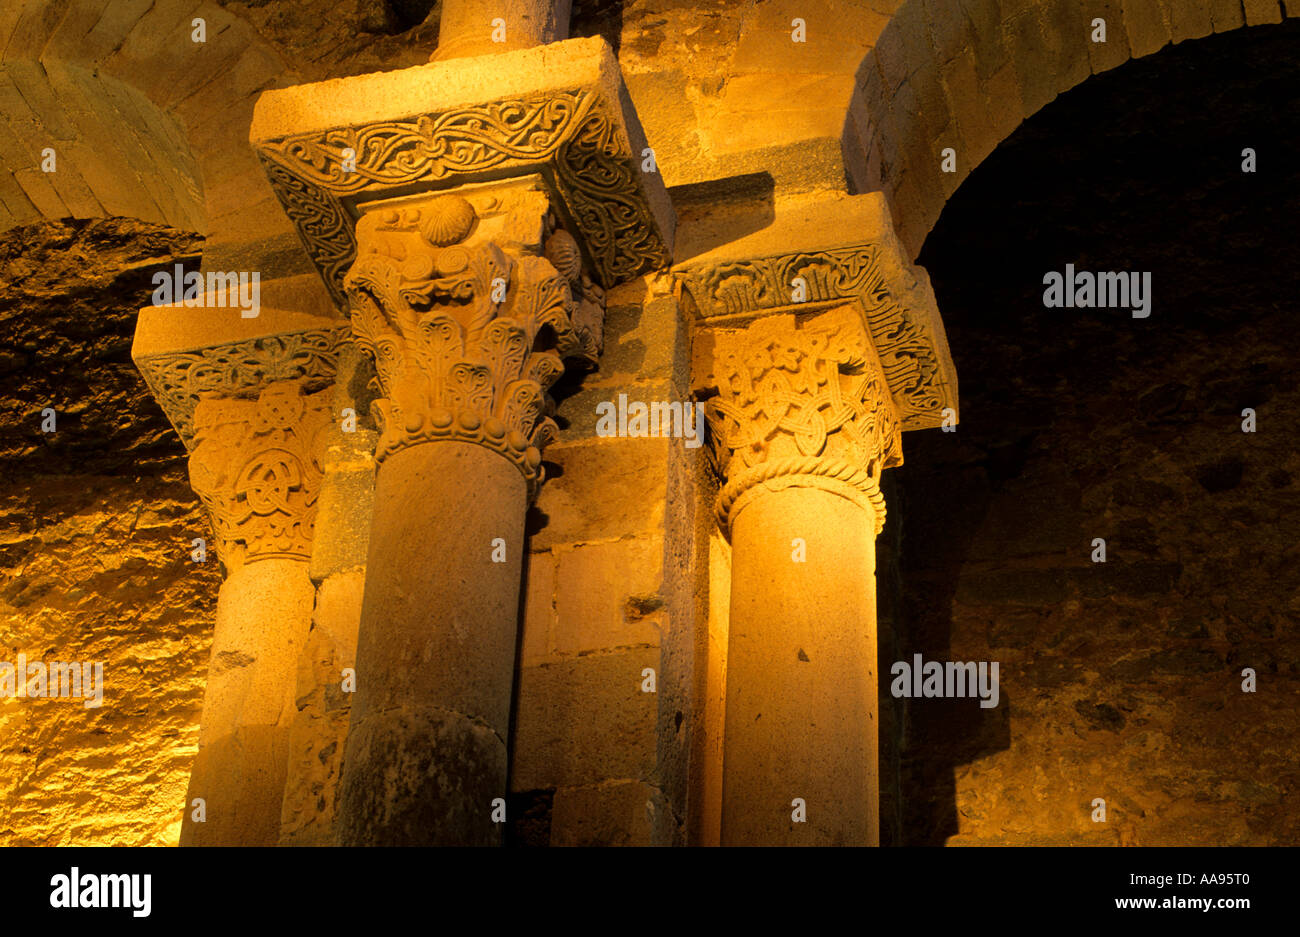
[465, 211]
[468, 303]
[475, 27]
[802, 425]
[256, 465]
[818, 343]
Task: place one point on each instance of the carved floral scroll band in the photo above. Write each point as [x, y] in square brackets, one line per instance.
[568, 136]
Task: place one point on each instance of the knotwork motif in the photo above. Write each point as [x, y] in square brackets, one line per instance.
[799, 399]
[907, 348]
[574, 137]
[257, 465]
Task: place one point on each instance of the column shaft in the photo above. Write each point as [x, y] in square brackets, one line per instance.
[263, 616]
[426, 750]
[801, 717]
[802, 423]
[477, 27]
[256, 465]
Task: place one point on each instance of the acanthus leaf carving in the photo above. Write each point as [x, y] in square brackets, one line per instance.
[466, 335]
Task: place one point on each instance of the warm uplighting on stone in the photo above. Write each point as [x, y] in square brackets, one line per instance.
[533, 423]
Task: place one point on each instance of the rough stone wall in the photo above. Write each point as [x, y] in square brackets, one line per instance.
[1120, 680]
[96, 521]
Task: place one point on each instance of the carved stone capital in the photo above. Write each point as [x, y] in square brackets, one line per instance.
[560, 111]
[798, 402]
[257, 465]
[469, 303]
[178, 380]
[818, 255]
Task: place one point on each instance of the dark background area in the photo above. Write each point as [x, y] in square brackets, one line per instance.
[1120, 680]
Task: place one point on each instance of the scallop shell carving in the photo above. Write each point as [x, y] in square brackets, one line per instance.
[447, 221]
[562, 251]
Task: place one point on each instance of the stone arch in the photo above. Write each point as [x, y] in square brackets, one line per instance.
[784, 83]
[144, 121]
[965, 73]
[114, 152]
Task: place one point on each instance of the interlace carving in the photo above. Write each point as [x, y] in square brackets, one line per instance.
[178, 380]
[570, 137]
[805, 400]
[905, 344]
[257, 466]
